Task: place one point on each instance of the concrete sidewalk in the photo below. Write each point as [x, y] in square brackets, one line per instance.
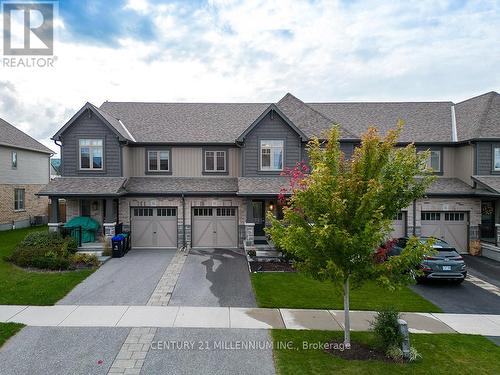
[237, 317]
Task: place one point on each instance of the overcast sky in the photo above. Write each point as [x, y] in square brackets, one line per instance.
[224, 50]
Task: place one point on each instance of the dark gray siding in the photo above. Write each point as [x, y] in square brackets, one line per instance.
[274, 128]
[90, 127]
[484, 158]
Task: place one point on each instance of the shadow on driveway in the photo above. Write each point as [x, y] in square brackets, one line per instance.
[214, 277]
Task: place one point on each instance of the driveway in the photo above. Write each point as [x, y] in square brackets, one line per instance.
[214, 277]
[57, 350]
[466, 297]
[122, 281]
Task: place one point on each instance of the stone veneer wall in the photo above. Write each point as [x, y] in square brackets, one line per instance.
[34, 205]
[190, 202]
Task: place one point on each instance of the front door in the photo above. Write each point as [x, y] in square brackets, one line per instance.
[488, 221]
[259, 217]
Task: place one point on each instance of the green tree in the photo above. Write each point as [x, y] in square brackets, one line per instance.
[340, 212]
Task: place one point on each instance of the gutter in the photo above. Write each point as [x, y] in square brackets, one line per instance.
[183, 220]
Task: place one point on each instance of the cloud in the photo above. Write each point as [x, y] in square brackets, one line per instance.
[224, 50]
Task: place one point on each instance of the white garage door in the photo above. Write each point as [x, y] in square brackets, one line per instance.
[215, 227]
[399, 226]
[154, 227]
[448, 226]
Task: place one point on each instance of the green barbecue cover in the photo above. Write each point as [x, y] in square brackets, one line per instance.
[89, 227]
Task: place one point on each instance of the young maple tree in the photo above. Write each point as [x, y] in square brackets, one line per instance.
[340, 213]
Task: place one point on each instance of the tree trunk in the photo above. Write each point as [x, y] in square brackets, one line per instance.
[347, 323]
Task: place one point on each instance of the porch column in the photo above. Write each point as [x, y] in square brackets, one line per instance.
[109, 219]
[54, 216]
[249, 225]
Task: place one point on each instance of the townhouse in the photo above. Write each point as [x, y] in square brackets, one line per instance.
[205, 174]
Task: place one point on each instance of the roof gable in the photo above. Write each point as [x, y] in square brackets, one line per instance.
[13, 137]
[478, 117]
[115, 125]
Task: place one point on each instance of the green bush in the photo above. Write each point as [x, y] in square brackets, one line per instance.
[48, 251]
[386, 329]
[86, 260]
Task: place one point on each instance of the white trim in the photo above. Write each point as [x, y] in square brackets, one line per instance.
[90, 147]
[271, 168]
[494, 158]
[454, 135]
[128, 133]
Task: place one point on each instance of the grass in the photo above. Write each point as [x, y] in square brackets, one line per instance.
[293, 290]
[20, 287]
[441, 354]
[8, 330]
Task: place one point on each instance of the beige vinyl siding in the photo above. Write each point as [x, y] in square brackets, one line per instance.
[448, 161]
[185, 161]
[32, 167]
[464, 163]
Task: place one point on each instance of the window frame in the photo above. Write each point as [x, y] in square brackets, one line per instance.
[215, 152]
[495, 147]
[91, 167]
[158, 151]
[271, 158]
[17, 200]
[14, 161]
[428, 162]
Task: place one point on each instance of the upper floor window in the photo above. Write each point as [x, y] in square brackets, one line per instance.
[496, 161]
[434, 161]
[158, 161]
[271, 155]
[13, 159]
[18, 199]
[91, 154]
[215, 161]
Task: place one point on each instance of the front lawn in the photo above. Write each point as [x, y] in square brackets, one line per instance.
[293, 290]
[441, 354]
[8, 330]
[20, 287]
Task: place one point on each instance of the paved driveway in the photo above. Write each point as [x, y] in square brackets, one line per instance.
[122, 281]
[214, 277]
[466, 297]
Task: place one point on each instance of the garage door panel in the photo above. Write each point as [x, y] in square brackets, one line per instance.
[215, 227]
[448, 226]
[203, 235]
[154, 227]
[399, 226]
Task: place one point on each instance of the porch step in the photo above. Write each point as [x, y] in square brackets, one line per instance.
[92, 246]
[490, 251]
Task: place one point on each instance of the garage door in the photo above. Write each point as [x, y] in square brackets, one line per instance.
[215, 227]
[399, 226]
[448, 226]
[154, 227]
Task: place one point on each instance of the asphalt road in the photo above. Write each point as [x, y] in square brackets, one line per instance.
[466, 298]
[214, 277]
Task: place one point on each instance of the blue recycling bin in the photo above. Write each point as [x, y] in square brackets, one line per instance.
[118, 245]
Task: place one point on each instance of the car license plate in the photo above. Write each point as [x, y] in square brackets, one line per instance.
[446, 268]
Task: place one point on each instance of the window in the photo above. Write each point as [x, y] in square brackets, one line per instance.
[91, 154]
[18, 199]
[159, 161]
[271, 155]
[430, 216]
[166, 212]
[215, 161]
[85, 208]
[399, 216]
[226, 212]
[454, 216]
[434, 161]
[143, 212]
[203, 212]
[13, 159]
[496, 161]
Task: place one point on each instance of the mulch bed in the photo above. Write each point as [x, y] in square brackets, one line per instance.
[271, 267]
[359, 352]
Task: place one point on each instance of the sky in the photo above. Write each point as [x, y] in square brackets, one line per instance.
[255, 51]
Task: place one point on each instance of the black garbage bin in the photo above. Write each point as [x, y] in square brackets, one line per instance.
[117, 243]
[127, 243]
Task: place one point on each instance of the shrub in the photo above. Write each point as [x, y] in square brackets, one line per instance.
[107, 248]
[72, 245]
[396, 354]
[84, 260]
[386, 329]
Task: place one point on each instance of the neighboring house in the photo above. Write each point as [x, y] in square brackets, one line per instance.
[24, 170]
[204, 174]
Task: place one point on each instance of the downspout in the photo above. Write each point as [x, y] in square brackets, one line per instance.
[414, 217]
[183, 221]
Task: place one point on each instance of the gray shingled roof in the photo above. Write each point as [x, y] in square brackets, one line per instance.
[114, 122]
[478, 117]
[178, 185]
[84, 186]
[185, 122]
[309, 121]
[424, 121]
[261, 185]
[490, 182]
[443, 185]
[12, 136]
